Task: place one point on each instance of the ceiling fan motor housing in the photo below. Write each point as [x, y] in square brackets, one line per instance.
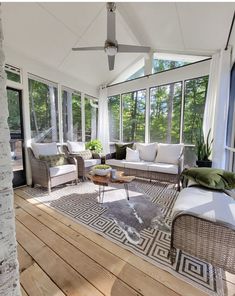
[111, 6]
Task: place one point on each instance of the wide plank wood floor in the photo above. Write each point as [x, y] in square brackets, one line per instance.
[58, 257]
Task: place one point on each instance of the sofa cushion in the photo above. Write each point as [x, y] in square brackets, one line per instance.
[121, 150]
[62, 169]
[91, 162]
[163, 168]
[115, 162]
[54, 160]
[147, 151]
[211, 178]
[44, 149]
[132, 155]
[75, 147]
[136, 165]
[169, 153]
[208, 204]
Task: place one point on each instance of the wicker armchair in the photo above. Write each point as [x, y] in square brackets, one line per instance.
[203, 226]
[213, 242]
[42, 175]
[83, 165]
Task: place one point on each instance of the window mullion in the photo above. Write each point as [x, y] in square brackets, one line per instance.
[121, 119]
[182, 111]
[83, 117]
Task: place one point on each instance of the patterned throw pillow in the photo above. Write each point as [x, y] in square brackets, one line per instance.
[86, 154]
[54, 160]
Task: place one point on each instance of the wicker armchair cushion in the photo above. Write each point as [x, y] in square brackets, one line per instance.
[54, 160]
[169, 153]
[211, 205]
[62, 170]
[75, 147]
[211, 178]
[87, 154]
[44, 149]
[91, 162]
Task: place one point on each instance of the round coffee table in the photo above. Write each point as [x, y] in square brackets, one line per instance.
[103, 181]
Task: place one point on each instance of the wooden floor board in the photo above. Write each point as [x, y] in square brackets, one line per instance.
[160, 275]
[88, 268]
[102, 267]
[121, 269]
[64, 276]
[23, 292]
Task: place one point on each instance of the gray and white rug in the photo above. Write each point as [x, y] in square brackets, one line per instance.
[141, 225]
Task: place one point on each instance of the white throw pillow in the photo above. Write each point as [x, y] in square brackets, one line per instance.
[75, 147]
[132, 155]
[147, 151]
[44, 149]
[169, 153]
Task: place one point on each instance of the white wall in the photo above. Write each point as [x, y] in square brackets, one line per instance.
[179, 74]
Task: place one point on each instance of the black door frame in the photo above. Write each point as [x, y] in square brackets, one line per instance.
[23, 174]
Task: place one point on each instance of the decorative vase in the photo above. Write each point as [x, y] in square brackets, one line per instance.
[204, 163]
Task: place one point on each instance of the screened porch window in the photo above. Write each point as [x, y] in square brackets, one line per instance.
[165, 113]
[91, 118]
[114, 107]
[194, 105]
[133, 116]
[43, 99]
[72, 115]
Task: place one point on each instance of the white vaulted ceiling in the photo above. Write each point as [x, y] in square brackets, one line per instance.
[46, 32]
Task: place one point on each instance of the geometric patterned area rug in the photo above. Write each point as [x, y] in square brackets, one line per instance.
[80, 203]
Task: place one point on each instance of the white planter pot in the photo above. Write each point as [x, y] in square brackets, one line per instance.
[101, 172]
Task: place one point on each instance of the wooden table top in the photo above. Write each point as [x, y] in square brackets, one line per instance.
[105, 180]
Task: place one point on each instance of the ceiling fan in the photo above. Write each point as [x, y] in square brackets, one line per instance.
[111, 46]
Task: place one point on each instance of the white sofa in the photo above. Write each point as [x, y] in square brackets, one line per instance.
[157, 161]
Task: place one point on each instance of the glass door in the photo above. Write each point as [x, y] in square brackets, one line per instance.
[15, 122]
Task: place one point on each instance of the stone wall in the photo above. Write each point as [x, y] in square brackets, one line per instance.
[9, 275]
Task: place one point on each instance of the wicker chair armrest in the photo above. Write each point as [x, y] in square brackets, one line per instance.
[79, 158]
[71, 160]
[110, 155]
[96, 155]
[40, 167]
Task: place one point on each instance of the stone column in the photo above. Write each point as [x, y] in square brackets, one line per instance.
[9, 275]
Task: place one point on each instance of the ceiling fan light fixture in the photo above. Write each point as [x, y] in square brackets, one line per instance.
[111, 50]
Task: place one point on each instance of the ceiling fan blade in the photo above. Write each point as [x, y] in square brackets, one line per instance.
[111, 60]
[88, 48]
[111, 23]
[133, 48]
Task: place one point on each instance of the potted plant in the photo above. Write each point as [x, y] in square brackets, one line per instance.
[102, 169]
[204, 151]
[94, 146]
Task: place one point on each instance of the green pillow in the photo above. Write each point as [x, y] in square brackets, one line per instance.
[54, 160]
[211, 178]
[121, 150]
